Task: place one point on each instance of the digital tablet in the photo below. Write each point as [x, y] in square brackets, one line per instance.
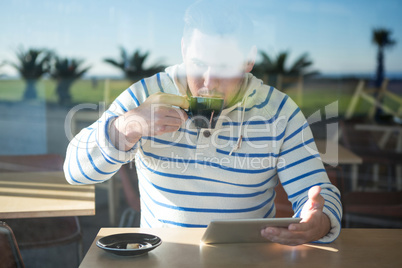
[242, 230]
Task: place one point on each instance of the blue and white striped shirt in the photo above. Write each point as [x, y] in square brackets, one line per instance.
[188, 178]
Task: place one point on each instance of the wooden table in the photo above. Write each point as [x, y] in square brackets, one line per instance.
[387, 131]
[181, 248]
[333, 154]
[43, 194]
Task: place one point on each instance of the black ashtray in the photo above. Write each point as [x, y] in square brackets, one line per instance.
[129, 244]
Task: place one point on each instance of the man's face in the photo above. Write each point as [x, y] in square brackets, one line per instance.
[215, 66]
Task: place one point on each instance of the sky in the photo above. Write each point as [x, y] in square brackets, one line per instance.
[335, 33]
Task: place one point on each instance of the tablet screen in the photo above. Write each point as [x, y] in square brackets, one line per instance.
[242, 230]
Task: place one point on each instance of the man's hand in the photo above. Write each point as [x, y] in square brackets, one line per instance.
[313, 226]
[154, 117]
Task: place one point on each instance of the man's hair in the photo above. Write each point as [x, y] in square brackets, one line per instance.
[219, 17]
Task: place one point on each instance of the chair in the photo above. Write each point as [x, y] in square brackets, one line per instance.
[282, 204]
[380, 164]
[53, 231]
[354, 140]
[374, 98]
[377, 203]
[130, 216]
[9, 251]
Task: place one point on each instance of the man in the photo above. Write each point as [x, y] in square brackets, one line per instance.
[189, 176]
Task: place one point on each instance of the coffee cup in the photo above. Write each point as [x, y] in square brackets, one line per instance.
[204, 111]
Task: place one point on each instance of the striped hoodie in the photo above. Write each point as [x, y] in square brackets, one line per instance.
[189, 177]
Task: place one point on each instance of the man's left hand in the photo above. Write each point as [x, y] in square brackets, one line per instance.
[313, 226]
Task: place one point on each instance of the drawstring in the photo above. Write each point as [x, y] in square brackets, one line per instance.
[237, 145]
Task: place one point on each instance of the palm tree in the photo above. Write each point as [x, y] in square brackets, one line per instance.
[382, 38]
[270, 67]
[66, 71]
[133, 66]
[33, 63]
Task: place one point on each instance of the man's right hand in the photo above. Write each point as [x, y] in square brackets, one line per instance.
[154, 117]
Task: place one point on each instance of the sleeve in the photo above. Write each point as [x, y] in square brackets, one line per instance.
[91, 157]
[300, 168]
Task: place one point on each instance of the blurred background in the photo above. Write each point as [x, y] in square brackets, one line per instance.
[63, 62]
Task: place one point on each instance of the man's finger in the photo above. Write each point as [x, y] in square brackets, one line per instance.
[169, 128]
[299, 227]
[317, 201]
[170, 99]
[177, 113]
[283, 236]
[170, 121]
